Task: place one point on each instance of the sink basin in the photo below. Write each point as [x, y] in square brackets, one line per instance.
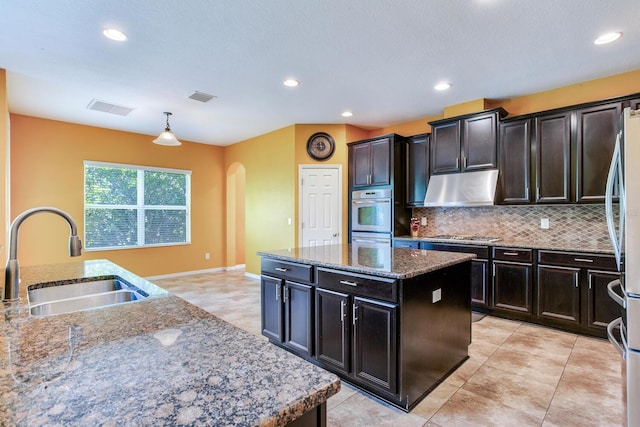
[70, 297]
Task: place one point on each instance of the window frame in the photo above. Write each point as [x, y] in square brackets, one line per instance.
[140, 207]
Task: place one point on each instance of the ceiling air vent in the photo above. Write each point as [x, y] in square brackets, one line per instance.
[107, 107]
[201, 96]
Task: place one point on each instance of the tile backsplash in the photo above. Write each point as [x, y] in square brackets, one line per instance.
[575, 225]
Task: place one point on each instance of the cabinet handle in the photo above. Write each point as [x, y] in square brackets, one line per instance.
[346, 282]
[342, 311]
[355, 309]
[590, 279]
[582, 260]
[283, 270]
[526, 191]
[494, 270]
[457, 162]
[510, 253]
[278, 292]
[537, 193]
[286, 292]
[464, 163]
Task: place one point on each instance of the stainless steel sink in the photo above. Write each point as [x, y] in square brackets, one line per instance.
[70, 297]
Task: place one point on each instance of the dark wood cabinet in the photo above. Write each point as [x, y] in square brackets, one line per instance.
[572, 290]
[596, 130]
[559, 293]
[553, 158]
[513, 279]
[465, 143]
[271, 307]
[333, 329]
[287, 305]
[374, 338]
[417, 169]
[371, 163]
[515, 162]
[445, 147]
[634, 103]
[480, 287]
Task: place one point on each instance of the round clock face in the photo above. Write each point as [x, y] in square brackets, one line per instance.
[320, 146]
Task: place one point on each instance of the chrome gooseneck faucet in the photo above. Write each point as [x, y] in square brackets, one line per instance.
[12, 270]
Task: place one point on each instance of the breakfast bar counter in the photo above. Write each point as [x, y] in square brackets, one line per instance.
[158, 361]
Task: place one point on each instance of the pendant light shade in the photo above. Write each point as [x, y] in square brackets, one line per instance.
[167, 137]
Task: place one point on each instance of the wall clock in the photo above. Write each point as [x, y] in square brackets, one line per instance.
[320, 146]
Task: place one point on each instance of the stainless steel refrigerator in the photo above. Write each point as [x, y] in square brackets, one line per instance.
[623, 220]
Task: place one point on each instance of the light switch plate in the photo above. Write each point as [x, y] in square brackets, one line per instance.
[423, 221]
[436, 296]
[544, 223]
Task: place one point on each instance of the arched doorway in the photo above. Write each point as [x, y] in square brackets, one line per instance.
[235, 225]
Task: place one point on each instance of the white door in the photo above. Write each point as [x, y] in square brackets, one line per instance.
[320, 205]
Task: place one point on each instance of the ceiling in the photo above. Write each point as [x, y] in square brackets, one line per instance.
[377, 58]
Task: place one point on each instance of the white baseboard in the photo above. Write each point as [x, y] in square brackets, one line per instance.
[190, 273]
[252, 276]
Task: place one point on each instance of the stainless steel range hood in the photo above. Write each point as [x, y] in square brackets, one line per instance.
[462, 189]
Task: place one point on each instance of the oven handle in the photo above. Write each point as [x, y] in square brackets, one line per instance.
[370, 201]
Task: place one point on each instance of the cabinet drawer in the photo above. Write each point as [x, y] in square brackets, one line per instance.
[480, 251]
[577, 259]
[513, 254]
[287, 270]
[411, 244]
[358, 284]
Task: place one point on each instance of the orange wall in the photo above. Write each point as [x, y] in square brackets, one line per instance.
[269, 191]
[47, 170]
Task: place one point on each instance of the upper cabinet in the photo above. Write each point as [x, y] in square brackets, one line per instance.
[553, 158]
[515, 161]
[465, 143]
[371, 163]
[596, 129]
[417, 169]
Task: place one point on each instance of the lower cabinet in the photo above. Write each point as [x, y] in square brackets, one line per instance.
[572, 289]
[513, 280]
[333, 330]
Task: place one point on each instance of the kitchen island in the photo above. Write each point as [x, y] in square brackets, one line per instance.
[158, 361]
[393, 322]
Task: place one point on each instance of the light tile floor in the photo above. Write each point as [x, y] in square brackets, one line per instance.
[518, 374]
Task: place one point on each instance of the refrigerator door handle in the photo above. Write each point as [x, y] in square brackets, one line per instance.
[614, 295]
[614, 169]
[614, 323]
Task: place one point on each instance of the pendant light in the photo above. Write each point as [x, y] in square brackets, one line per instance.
[167, 137]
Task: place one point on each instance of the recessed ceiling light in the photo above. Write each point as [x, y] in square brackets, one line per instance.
[291, 82]
[607, 38]
[113, 34]
[442, 86]
[347, 114]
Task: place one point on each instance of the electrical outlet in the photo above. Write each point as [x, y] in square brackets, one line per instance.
[288, 221]
[436, 295]
[206, 255]
[423, 221]
[544, 223]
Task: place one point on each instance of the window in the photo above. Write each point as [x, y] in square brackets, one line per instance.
[128, 206]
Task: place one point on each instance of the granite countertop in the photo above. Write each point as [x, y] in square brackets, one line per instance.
[379, 261]
[583, 247]
[160, 361]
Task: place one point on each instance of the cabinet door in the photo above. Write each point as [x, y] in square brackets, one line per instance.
[298, 308]
[602, 309]
[271, 307]
[513, 286]
[595, 139]
[333, 332]
[380, 162]
[375, 334]
[479, 142]
[417, 170]
[361, 164]
[479, 288]
[515, 150]
[553, 158]
[445, 148]
[559, 293]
